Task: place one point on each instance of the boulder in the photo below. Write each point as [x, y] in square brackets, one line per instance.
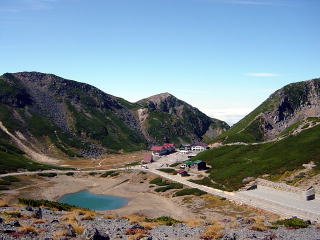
[94, 234]
[55, 221]
[15, 223]
[38, 213]
[137, 226]
[28, 208]
[70, 232]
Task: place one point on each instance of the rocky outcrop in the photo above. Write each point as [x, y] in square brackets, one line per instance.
[283, 110]
[76, 118]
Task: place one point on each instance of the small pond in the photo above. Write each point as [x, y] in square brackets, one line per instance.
[86, 199]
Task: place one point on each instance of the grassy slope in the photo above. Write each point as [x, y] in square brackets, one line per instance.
[106, 128]
[231, 164]
[164, 125]
[13, 159]
[247, 130]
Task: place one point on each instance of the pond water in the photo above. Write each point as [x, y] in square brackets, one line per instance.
[86, 199]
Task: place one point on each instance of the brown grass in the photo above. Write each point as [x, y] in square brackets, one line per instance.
[193, 222]
[60, 233]
[109, 160]
[27, 230]
[78, 229]
[135, 218]
[150, 225]
[38, 221]
[70, 218]
[108, 216]
[259, 224]
[3, 203]
[89, 215]
[213, 231]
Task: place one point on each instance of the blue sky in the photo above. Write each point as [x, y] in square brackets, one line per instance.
[223, 56]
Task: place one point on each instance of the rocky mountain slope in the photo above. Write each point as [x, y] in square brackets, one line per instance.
[285, 110]
[58, 117]
[55, 115]
[164, 117]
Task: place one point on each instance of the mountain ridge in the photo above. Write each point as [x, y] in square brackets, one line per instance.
[287, 106]
[56, 116]
[165, 115]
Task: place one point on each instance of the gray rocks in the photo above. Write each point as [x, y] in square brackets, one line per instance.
[30, 209]
[15, 223]
[94, 234]
[120, 228]
[69, 231]
[38, 213]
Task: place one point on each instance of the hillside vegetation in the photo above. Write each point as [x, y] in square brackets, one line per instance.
[65, 119]
[231, 164]
[171, 119]
[283, 109]
[61, 117]
[13, 159]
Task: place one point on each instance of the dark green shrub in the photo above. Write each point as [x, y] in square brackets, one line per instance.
[158, 181]
[169, 221]
[11, 179]
[47, 174]
[174, 164]
[4, 188]
[168, 170]
[189, 191]
[293, 223]
[70, 173]
[2, 182]
[46, 203]
[110, 173]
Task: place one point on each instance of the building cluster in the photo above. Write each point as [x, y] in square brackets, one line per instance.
[196, 147]
[168, 148]
[164, 149]
[195, 165]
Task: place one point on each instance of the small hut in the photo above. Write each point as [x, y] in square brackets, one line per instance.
[147, 158]
[182, 173]
[310, 193]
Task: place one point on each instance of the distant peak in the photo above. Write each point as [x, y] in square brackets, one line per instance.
[158, 98]
[161, 95]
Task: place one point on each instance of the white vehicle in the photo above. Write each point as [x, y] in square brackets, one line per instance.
[183, 166]
[144, 166]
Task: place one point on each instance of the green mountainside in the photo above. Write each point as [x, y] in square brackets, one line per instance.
[64, 119]
[284, 108]
[76, 118]
[167, 118]
[13, 159]
[232, 164]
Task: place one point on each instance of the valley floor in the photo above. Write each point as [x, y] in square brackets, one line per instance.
[201, 215]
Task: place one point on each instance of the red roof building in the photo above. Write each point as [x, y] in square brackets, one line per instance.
[147, 158]
[166, 148]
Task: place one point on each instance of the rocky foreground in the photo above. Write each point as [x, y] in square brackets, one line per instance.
[44, 223]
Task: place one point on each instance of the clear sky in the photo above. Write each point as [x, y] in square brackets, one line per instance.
[223, 56]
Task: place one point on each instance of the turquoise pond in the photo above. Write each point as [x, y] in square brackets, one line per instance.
[86, 199]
